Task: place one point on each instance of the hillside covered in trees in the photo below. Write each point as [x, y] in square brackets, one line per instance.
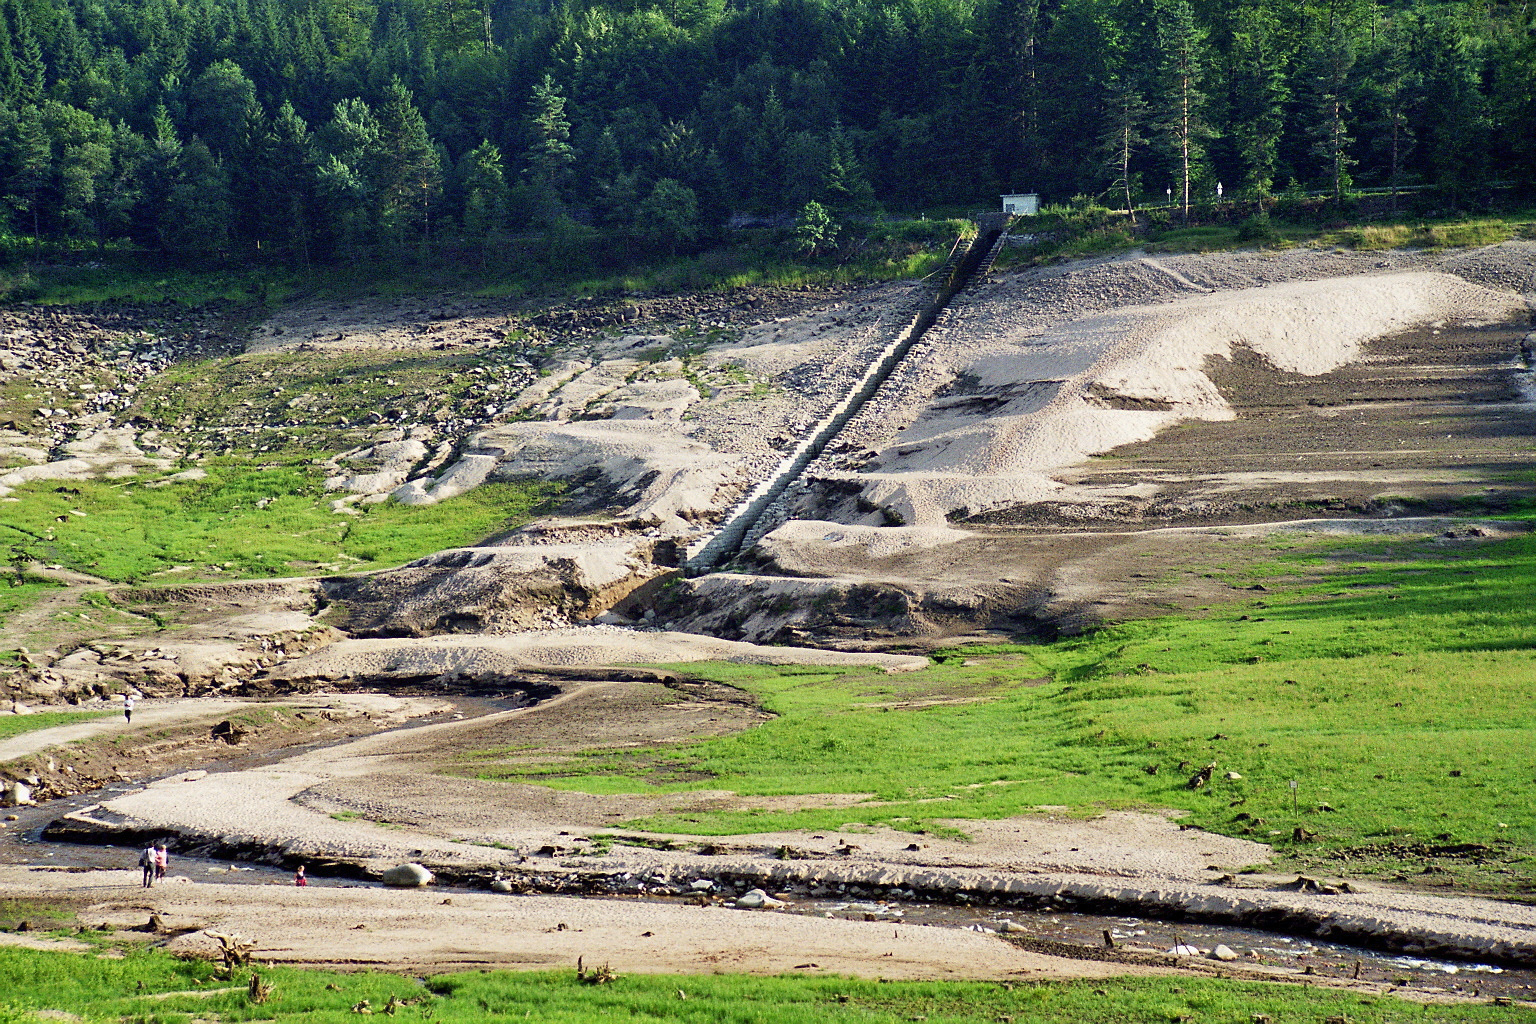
[326, 128]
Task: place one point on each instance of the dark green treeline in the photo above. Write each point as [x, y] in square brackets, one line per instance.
[321, 128]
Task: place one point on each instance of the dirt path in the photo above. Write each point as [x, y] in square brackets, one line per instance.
[157, 714]
[148, 713]
[377, 801]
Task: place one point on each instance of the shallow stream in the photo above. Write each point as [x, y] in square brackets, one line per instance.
[20, 843]
[1081, 930]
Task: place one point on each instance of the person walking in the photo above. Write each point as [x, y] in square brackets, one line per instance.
[298, 876]
[148, 861]
[128, 708]
[162, 860]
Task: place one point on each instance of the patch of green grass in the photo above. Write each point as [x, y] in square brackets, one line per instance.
[1197, 239]
[123, 280]
[152, 986]
[16, 725]
[1450, 235]
[243, 520]
[1072, 232]
[35, 912]
[1100, 240]
[311, 403]
[1397, 692]
[16, 593]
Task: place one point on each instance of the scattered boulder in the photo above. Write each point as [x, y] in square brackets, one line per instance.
[16, 794]
[501, 885]
[755, 899]
[228, 732]
[407, 876]
[1222, 952]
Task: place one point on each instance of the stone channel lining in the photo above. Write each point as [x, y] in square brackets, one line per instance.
[726, 542]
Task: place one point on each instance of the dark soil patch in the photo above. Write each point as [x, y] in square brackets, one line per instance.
[1428, 422]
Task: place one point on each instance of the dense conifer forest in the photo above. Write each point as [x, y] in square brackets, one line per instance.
[323, 129]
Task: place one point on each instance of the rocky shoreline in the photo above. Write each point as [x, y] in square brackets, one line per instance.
[1305, 907]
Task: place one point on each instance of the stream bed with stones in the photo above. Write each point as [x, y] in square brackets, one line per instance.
[1068, 934]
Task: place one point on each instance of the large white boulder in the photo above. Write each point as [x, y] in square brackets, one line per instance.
[757, 898]
[16, 794]
[407, 876]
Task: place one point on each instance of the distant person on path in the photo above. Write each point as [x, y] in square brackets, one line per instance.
[162, 860]
[149, 860]
[128, 709]
[298, 876]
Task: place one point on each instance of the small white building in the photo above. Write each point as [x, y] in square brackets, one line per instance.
[1025, 204]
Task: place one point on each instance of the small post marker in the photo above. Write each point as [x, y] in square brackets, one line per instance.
[1295, 800]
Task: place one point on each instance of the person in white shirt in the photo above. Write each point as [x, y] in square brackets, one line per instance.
[128, 709]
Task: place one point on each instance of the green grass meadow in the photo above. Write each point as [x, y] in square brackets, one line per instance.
[16, 725]
[243, 520]
[1398, 694]
[147, 987]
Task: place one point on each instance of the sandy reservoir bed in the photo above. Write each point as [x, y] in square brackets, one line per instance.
[1053, 424]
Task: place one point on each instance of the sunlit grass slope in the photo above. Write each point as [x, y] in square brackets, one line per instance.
[1398, 695]
[244, 519]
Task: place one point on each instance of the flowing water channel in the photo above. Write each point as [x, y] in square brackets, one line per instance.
[1083, 931]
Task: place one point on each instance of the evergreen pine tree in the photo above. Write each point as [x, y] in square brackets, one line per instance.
[1180, 113]
[31, 74]
[764, 151]
[550, 154]
[1390, 89]
[1259, 93]
[287, 182]
[30, 158]
[347, 176]
[1453, 122]
[1329, 64]
[198, 209]
[1125, 118]
[1009, 67]
[1514, 94]
[10, 78]
[410, 172]
[485, 194]
[158, 169]
[844, 187]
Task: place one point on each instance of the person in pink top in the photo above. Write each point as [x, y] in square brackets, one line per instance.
[162, 860]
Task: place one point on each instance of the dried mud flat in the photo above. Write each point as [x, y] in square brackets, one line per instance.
[1055, 428]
